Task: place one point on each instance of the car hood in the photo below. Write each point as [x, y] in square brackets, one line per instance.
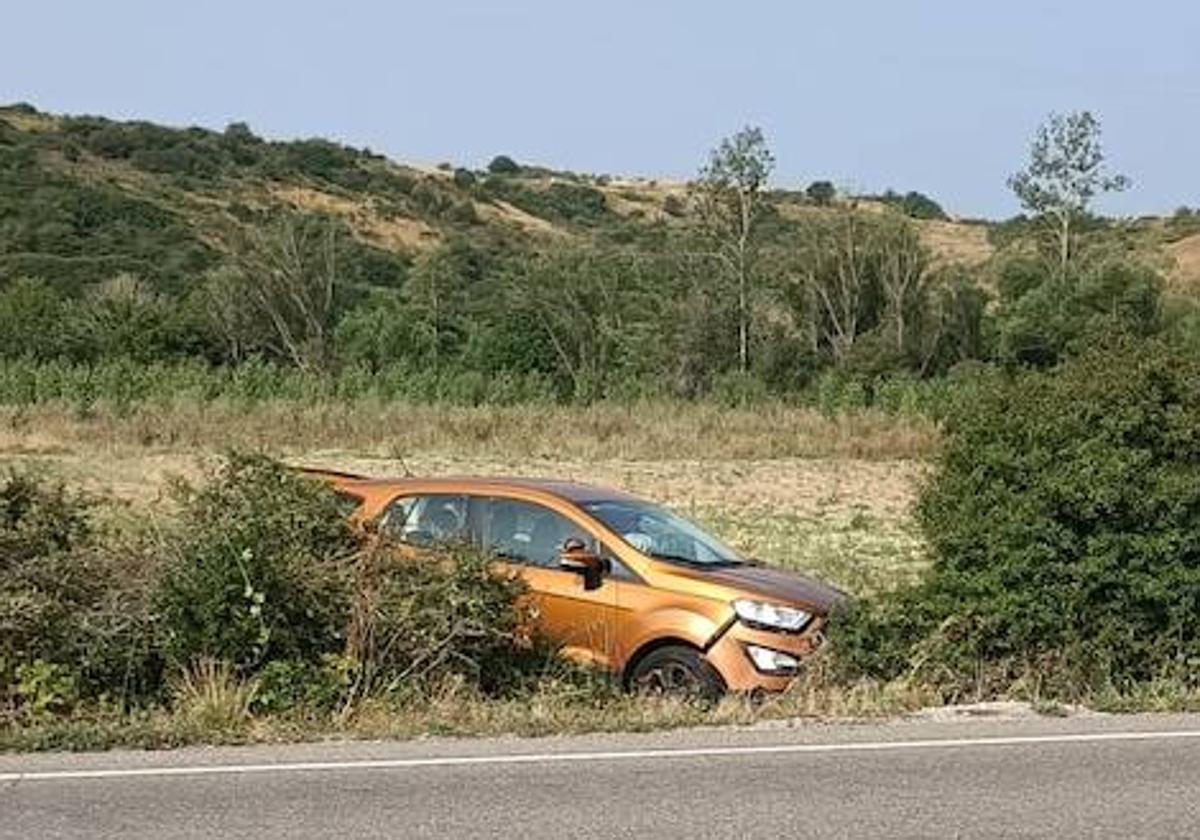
[773, 584]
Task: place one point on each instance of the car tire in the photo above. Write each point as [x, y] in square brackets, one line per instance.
[677, 671]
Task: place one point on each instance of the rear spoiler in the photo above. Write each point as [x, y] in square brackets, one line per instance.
[323, 474]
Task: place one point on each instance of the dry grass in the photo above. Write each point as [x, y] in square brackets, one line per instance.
[954, 242]
[827, 496]
[650, 431]
[504, 212]
[1185, 271]
[457, 711]
[210, 697]
[395, 234]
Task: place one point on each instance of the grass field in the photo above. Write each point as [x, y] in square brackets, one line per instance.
[830, 496]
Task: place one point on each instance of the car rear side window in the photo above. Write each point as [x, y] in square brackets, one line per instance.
[427, 520]
[347, 503]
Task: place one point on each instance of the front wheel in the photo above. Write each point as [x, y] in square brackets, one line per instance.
[677, 671]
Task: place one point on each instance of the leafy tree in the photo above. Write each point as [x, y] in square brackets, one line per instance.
[904, 275]
[1045, 317]
[464, 178]
[382, 330]
[730, 196]
[124, 318]
[873, 301]
[591, 310]
[434, 293]
[503, 165]
[917, 205]
[837, 287]
[1066, 170]
[33, 321]
[952, 321]
[279, 291]
[821, 193]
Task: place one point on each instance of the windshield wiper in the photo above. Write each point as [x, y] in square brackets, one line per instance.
[691, 561]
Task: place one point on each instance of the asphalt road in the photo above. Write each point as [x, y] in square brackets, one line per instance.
[1076, 777]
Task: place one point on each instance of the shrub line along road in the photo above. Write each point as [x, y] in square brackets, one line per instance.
[1094, 776]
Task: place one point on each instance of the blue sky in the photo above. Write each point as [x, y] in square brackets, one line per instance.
[912, 94]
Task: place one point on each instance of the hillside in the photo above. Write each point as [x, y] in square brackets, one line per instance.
[82, 196]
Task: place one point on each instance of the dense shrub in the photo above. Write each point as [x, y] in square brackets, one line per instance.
[559, 201]
[914, 204]
[73, 616]
[33, 319]
[259, 575]
[1064, 520]
[503, 165]
[257, 569]
[464, 178]
[821, 193]
[1045, 316]
[418, 621]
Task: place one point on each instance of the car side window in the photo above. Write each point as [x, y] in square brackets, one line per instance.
[524, 532]
[347, 503]
[426, 520]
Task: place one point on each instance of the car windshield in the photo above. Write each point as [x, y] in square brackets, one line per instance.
[659, 533]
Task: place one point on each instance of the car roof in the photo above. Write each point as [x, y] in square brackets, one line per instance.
[571, 490]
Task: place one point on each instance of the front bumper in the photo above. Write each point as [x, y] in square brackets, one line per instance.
[728, 654]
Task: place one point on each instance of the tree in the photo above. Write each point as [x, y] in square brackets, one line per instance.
[591, 308]
[1045, 317]
[503, 165]
[838, 280]
[729, 196]
[1066, 171]
[821, 193]
[278, 292]
[33, 321]
[866, 288]
[1061, 512]
[433, 289]
[124, 317]
[903, 274]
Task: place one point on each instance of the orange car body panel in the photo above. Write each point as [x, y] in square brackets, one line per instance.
[611, 625]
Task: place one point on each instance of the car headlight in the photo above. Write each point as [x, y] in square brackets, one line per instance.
[771, 616]
[772, 661]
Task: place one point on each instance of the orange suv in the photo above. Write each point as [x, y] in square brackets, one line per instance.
[617, 581]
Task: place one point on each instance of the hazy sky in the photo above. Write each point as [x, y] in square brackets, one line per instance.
[938, 96]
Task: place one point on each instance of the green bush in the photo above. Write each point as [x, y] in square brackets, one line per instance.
[420, 621]
[1045, 317]
[256, 571]
[1064, 521]
[503, 165]
[821, 193]
[72, 607]
[914, 204]
[288, 685]
[464, 179]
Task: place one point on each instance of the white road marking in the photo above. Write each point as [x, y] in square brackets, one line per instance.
[629, 755]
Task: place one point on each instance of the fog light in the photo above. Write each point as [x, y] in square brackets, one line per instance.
[772, 661]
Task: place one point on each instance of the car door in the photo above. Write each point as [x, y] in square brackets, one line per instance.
[529, 537]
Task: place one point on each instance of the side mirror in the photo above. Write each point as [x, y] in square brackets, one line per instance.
[576, 558]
